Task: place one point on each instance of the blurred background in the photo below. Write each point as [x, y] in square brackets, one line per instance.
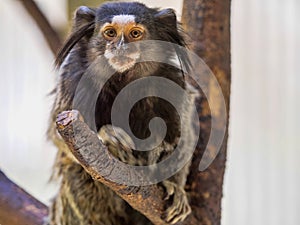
[262, 179]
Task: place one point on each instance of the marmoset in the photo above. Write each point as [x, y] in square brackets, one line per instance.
[105, 33]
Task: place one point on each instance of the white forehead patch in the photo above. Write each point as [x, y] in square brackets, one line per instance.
[123, 19]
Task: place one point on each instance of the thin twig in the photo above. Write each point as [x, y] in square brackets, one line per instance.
[50, 35]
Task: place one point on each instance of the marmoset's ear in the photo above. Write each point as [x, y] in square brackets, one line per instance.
[167, 16]
[84, 15]
[83, 29]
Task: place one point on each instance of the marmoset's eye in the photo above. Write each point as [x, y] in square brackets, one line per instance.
[110, 33]
[136, 33]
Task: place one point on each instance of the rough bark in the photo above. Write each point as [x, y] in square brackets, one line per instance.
[17, 206]
[207, 22]
[94, 156]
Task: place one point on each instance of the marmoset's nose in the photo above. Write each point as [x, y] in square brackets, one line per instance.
[121, 46]
[121, 42]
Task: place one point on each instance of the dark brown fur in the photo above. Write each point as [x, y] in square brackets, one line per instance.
[82, 200]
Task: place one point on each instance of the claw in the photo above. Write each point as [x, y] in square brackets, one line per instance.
[170, 189]
[130, 190]
[116, 136]
[180, 207]
[119, 143]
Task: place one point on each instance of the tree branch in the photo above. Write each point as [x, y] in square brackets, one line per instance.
[17, 206]
[93, 155]
[51, 36]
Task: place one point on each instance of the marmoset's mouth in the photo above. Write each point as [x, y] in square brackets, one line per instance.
[122, 62]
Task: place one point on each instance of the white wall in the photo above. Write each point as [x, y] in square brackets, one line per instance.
[263, 172]
[27, 77]
[263, 175]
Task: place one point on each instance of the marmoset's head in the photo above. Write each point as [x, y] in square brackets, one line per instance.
[111, 30]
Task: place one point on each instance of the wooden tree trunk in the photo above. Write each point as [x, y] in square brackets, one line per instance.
[207, 22]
